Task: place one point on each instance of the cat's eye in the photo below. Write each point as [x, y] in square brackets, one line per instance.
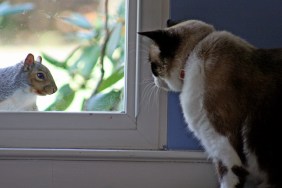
[40, 76]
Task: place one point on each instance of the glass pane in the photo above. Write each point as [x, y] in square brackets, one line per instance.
[82, 43]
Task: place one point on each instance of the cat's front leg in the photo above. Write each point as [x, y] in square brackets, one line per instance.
[231, 172]
[229, 165]
[230, 168]
[216, 144]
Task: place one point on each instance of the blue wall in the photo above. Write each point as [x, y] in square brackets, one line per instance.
[259, 22]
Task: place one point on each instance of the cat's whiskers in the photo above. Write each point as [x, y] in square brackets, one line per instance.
[148, 85]
[143, 49]
[149, 93]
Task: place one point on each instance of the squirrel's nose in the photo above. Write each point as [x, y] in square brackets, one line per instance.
[54, 89]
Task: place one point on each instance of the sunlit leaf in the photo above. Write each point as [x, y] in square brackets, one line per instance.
[112, 79]
[81, 35]
[53, 61]
[121, 11]
[78, 20]
[85, 36]
[63, 100]
[82, 63]
[7, 9]
[114, 39]
[88, 60]
[104, 102]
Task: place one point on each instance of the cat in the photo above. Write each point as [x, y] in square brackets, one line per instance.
[230, 95]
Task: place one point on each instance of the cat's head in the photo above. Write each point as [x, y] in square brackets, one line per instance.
[170, 50]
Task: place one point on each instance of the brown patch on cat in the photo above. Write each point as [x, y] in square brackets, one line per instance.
[227, 92]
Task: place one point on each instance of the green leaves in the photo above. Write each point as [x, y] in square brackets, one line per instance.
[94, 83]
[112, 79]
[104, 102]
[64, 99]
[115, 39]
[88, 59]
[7, 9]
[54, 61]
[78, 20]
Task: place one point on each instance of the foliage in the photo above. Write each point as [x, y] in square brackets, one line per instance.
[6, 9]
[95, 66]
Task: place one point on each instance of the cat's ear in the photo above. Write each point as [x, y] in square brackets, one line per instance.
[166, 41]
[28, 62]
[158, 36]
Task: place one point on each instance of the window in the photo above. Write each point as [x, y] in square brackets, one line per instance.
[142, 125]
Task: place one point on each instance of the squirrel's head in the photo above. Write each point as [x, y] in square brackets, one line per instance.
[39, 76]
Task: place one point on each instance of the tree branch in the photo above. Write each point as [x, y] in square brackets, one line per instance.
[108, 33]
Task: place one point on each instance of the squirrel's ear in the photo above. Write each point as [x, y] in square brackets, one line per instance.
[28, 62]
[39, 59]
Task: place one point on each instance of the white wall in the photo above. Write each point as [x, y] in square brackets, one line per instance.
[127, 172]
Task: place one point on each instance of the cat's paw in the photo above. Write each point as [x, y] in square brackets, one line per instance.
[230, 180]
[235, 177]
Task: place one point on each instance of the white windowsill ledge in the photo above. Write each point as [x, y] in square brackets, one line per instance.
[102, 155]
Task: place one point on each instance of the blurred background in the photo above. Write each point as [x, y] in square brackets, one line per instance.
[81, 42]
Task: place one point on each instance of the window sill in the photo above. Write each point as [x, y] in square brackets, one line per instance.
[74, 168]
[101, 155]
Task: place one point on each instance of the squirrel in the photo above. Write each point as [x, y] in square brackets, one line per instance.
[21, 83]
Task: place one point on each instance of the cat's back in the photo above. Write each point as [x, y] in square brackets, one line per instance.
[224, 49]
[269, 61]
[232, 62]
[223, 44]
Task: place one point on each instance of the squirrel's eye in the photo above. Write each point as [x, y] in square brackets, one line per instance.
[40, 76]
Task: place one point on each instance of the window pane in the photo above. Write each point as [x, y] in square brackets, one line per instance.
[141, 126]
[80, 41]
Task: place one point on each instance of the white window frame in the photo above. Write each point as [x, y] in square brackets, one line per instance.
[141, 126]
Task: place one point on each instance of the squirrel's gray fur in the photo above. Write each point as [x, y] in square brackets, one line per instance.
[11, 79]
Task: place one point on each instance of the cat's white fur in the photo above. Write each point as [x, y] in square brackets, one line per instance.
[191, 98]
